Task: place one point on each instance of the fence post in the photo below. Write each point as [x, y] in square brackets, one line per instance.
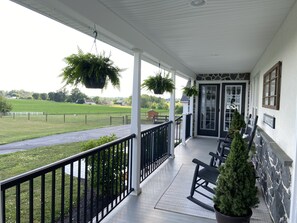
[110, 120]
[64, 118]
[46, 117]
[86, 119]
[28, 115]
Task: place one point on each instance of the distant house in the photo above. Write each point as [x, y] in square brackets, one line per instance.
[119, 102]
[89, 102]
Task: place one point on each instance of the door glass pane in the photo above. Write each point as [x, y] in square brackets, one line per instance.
[233, 95]
[208, 107]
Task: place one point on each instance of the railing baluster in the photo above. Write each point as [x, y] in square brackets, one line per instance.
[98, 187]
[53, 195]
[78, 192]
[103, 188]
[31, 204]
[86, 190]
[71, 193]
[113, 174]
[62, 193]
[18, 203]
[2, 206]
[42, 198]
[92, 186]
[108, 181]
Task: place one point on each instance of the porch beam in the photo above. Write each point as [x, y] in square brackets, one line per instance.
[172, 116]
[135, 122]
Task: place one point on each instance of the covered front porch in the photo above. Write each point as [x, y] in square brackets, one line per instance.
[215, 39]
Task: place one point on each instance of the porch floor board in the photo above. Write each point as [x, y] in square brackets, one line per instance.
[142, 208]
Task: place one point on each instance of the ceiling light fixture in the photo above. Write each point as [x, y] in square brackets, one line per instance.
[198, 2]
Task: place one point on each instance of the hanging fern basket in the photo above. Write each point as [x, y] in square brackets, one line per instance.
[90, 70]
[158, 91]
[159, 83]
[95, 82]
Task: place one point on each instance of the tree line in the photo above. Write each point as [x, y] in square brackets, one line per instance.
[76, 96]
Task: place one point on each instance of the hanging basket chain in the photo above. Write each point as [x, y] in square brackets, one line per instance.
[95, 42]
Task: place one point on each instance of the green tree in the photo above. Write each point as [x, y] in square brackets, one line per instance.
[4, 105]
[43, 96]
[51, 96]
[36, 96]
[76, 96]
[59, 96]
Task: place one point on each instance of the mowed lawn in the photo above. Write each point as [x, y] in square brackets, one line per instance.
[51, 107]
[61, 118]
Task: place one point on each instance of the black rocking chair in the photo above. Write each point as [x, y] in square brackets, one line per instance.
[205, 176]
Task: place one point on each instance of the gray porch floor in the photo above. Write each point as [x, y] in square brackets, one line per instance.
[142, 208]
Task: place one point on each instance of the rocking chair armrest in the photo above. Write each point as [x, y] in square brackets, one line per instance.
[223, 159]
[226, 140]
[206, 166]
[217, 156]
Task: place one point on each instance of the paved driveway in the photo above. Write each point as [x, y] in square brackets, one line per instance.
[119, 131]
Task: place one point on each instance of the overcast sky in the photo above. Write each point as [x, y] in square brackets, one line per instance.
[32, 48]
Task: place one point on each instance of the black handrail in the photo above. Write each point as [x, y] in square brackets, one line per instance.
[106, 181]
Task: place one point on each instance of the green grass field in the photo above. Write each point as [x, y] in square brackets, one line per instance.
[61, 118]
[51, 107]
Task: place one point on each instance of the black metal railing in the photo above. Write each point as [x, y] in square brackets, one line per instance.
[188, 126]
[80, 188]
[155, 147]
[178, 128]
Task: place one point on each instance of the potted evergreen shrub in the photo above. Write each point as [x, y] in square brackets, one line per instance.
[190, 91]
[90, 70]
[236, 191]
[237, 123]
[159, 83]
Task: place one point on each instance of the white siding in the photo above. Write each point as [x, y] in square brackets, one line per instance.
[282, 48]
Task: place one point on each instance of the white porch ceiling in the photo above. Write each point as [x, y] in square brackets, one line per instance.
[223, 36]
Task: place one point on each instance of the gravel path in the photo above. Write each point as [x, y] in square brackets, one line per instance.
[119, 131]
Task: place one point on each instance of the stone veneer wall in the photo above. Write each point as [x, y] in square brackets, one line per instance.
[223, 77]
[273, 170]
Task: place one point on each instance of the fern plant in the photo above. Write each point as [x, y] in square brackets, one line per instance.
[93, 71]
[159, 83]
[190, 91]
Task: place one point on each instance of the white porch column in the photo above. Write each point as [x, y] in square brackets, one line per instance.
[196, 113]
[293, 208]
[184, 123]
[172, 116]
[192, 110]
[135, 122]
